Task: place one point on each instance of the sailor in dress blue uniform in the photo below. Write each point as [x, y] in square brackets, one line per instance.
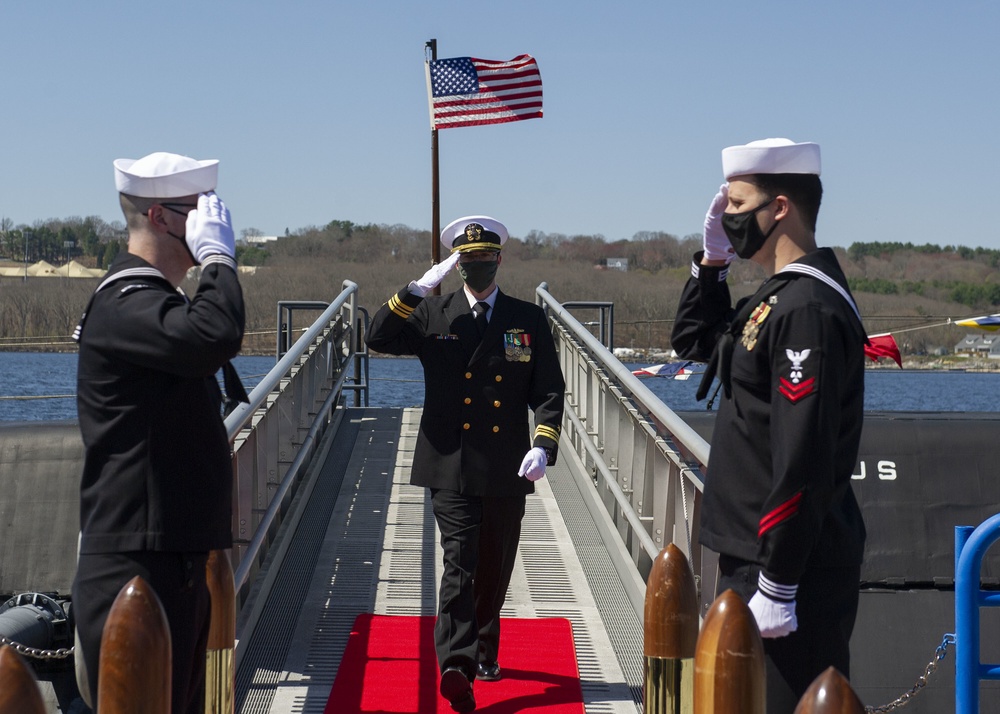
[778, 505]
[157, 483]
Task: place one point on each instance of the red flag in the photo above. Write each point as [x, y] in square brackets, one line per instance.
[467, 91]
[883, 346]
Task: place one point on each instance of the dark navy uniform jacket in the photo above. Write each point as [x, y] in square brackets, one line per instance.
[786, 437]
[474, 429]
[157, 473]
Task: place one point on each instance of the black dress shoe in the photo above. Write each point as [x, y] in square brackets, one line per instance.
[457, 689]
[488, 672]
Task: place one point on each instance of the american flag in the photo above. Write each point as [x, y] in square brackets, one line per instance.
[677, 370]
[466, 91]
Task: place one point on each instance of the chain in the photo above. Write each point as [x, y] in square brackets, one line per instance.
[904, 699]
[41, 601]
[34, 652]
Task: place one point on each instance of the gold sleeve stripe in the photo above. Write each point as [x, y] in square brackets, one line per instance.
[399, 307]
[547, 431]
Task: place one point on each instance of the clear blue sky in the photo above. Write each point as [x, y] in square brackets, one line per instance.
[318, 110]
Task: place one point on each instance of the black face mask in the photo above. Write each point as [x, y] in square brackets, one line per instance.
[744, 233]
[183, 240]
[478, 274]
[172, 207]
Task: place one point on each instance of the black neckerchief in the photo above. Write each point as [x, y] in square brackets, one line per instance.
[719, 362]
[722, 354]
[235, 392]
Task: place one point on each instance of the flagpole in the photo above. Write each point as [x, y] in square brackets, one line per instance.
[435, 192]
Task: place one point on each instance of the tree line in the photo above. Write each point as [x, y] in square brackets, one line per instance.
[889, 280]
[95, 242]
[858, 251]
[91, 239]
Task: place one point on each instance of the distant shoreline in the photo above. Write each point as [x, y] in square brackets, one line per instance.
[948, 363]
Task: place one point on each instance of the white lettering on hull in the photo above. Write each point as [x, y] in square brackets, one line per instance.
[885, 470]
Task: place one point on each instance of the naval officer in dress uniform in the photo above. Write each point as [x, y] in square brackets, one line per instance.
[778, 505]
[157, 484]
[487, 358]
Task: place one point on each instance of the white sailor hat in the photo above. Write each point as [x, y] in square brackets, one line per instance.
[770, 156]
[164, 175]
[473, 233]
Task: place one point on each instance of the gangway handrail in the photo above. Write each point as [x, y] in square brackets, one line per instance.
[286, 309]
[970, 547]
[647, 543]
[645, 464]
[252, 554]
[606, 323]
[280, 407]
[242, 413]
[680, 429]
[362, 377]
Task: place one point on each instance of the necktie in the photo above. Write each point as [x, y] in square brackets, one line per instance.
[480, 309]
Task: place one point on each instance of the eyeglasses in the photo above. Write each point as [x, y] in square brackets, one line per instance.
[171, 207]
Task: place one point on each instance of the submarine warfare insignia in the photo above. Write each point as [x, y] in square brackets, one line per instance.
[517, 347]
[752, 329]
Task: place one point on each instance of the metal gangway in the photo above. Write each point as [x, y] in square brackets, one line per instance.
[327, 526]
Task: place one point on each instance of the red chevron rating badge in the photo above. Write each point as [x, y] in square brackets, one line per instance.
[800, 382]
[795, 392]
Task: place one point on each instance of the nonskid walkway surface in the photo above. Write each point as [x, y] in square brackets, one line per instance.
[364, 541]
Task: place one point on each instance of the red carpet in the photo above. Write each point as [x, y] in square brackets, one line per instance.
[389, 667]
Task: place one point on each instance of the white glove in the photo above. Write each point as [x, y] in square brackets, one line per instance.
[433, 277]
[716, 243]
[775, 618]
[209, 229]
[533, 464]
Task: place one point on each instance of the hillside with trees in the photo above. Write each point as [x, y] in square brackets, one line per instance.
[899, 286]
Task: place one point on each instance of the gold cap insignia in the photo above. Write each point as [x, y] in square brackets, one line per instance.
[474, 232]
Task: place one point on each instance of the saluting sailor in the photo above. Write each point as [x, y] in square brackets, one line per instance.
[487, 358]
[157, 484]
[778, 505]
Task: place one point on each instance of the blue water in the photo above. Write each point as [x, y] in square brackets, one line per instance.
[893, 390]
[42, 386]
[50, 382]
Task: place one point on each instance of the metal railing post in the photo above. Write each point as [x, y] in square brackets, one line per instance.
[830, 693]
[729, 660]
[19, 692]
[220, 663]
[135, 661]
[670, 635]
